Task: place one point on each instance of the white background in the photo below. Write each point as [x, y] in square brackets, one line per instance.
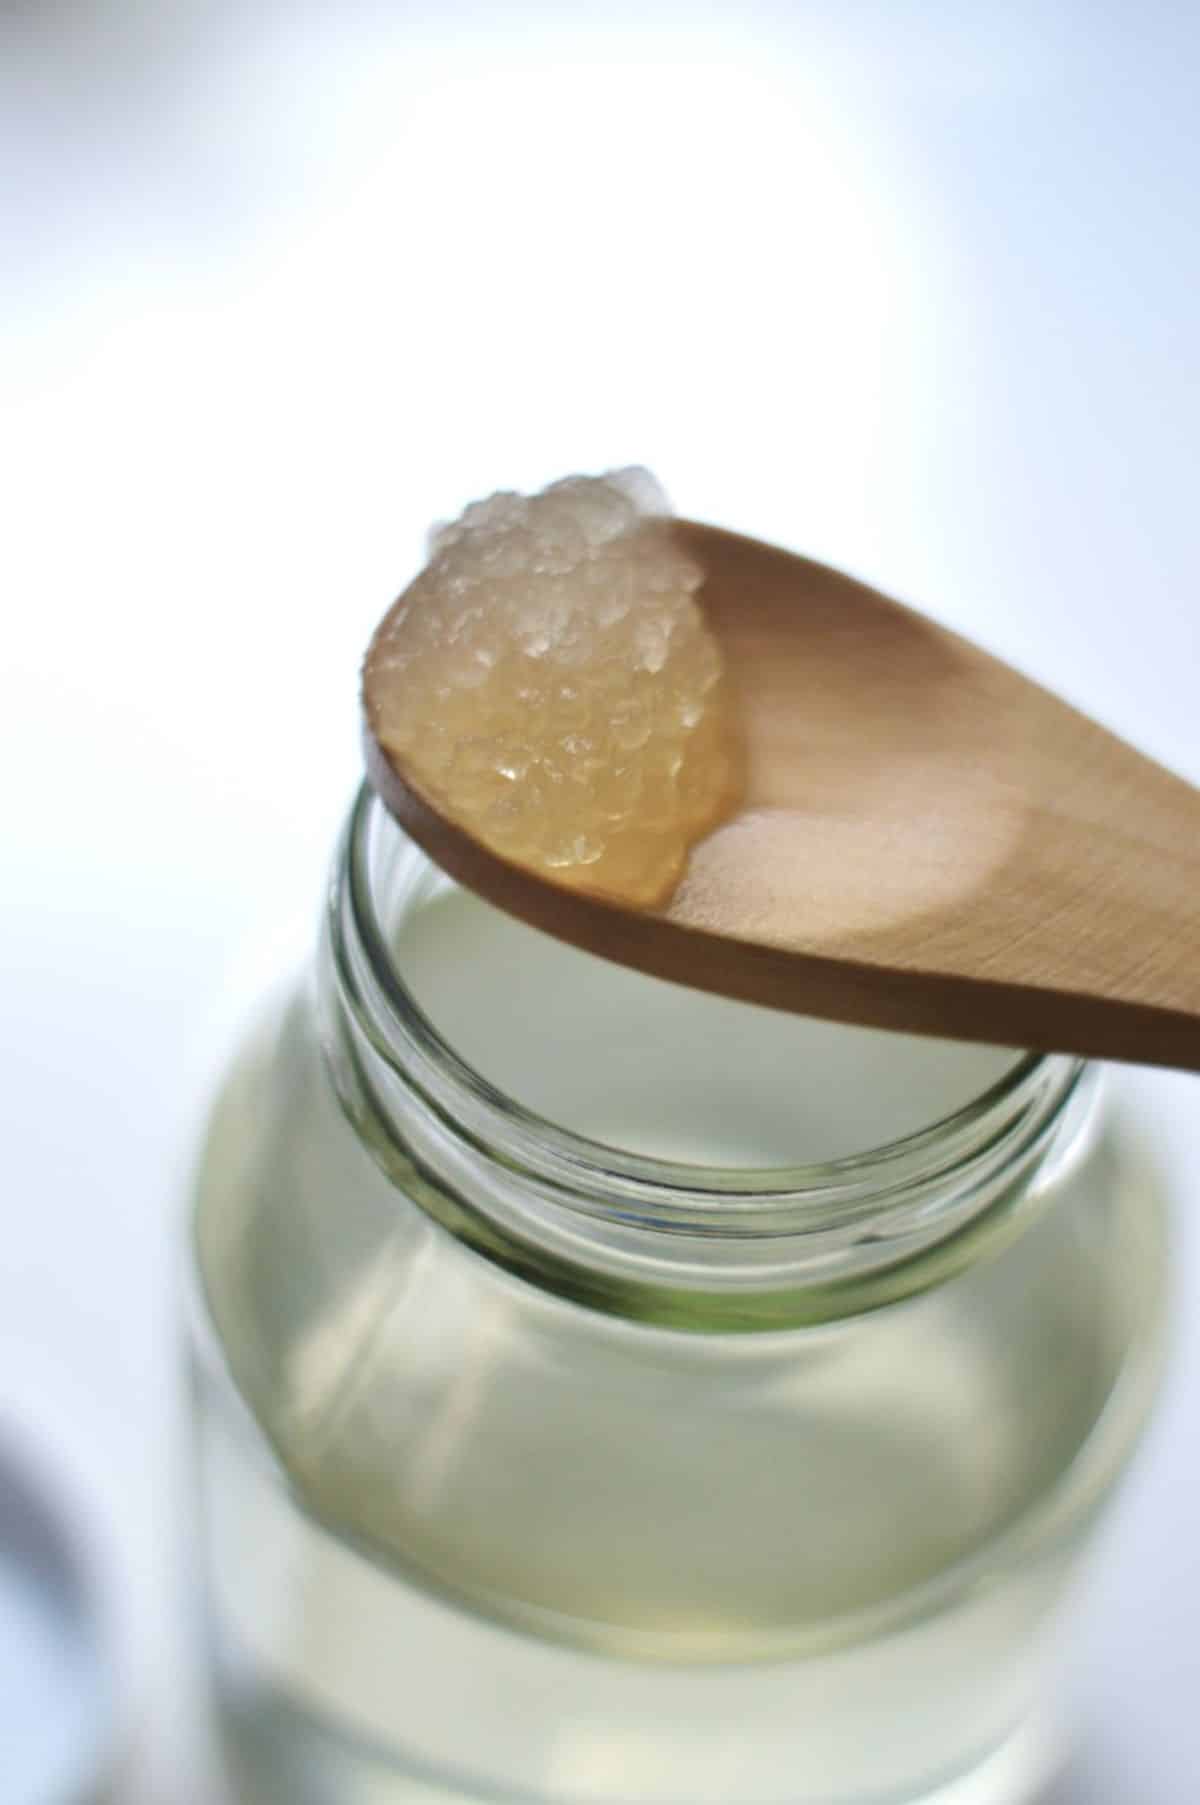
[910, 287]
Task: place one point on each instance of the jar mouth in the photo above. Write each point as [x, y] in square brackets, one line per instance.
[1030, 1095]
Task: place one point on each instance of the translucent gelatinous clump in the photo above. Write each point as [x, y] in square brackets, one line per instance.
[549, 683]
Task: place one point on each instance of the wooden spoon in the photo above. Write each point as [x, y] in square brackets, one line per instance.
[926, 840]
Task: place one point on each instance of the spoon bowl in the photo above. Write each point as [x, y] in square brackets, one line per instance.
[925, 840]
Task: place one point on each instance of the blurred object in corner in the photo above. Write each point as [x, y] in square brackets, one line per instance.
[56, 1703]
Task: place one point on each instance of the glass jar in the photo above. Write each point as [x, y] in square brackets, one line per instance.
[568, 1433]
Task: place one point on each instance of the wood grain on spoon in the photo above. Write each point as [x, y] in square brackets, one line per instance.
[926, 840]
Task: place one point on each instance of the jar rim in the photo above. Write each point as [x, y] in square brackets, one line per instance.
[842, 1188]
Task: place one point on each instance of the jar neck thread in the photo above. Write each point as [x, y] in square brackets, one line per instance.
[657, 1240]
